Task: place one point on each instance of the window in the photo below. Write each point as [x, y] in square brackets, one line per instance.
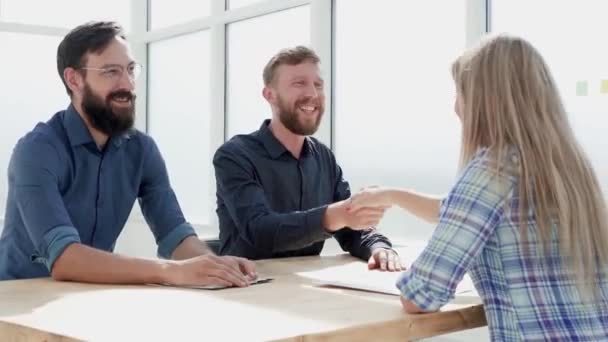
[179, 116]
[577, 58]
[247, 56]
[31, 92]
[394, 97]
[165, 13]
[65, 13]
[232, 4]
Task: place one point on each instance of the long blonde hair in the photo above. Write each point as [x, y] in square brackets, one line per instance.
[510, 100]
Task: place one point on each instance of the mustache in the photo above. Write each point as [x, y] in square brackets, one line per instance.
[308, 101]
[122, 93]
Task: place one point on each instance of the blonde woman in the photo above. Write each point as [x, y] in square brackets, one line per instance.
[526, 218]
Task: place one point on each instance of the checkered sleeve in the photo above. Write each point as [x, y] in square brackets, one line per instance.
[468, 216]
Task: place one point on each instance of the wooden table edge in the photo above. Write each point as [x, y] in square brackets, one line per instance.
[10, 331]
[409, 327]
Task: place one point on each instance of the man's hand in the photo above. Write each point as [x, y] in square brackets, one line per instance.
[338, 216]
[385, 260]
[247, 267]
[210, 269]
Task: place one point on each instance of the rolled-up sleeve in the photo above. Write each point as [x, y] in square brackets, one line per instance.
[159, 204]
[468, 217]
[34, 173]
[170, 242]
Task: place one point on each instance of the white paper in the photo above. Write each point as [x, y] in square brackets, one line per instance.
[355, 275]
[258, 280]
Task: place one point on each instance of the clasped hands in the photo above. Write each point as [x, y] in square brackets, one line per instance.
[366, 208]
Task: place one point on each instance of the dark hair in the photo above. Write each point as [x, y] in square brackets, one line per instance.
[93, 36]
[289, 56]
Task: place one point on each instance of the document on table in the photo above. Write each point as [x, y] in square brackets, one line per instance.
[356, 276]
[258, 280]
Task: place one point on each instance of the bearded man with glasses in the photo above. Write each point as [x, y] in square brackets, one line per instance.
[74, 179]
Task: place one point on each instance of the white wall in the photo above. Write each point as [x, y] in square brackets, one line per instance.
[179, 117]
[577, 56]
[394, 119]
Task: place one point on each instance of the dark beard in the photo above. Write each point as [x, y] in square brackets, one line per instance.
[101, 115]
[289, 119]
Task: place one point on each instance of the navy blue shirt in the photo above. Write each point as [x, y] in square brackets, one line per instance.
[270, 204]
[63, 189]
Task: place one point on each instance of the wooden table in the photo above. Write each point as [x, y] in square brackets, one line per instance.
[290, 308]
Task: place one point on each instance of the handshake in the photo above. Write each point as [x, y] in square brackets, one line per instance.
[362, 211]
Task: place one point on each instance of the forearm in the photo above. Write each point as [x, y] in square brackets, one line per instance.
[190, 247]
[423, 206]
[85, 264]
[285, 232]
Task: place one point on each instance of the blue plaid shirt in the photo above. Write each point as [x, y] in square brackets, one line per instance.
[526, 295]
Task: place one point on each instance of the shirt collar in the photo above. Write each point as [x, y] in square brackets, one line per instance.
[118, 141]
[79, 134]
[74, 125]
[274, 147]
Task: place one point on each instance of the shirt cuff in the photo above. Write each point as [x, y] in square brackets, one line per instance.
[54, 242]
[170, 242]
[418, 292]
[314, 218]
[382, 244]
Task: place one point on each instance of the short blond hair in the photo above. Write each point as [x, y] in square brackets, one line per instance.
[288, 56]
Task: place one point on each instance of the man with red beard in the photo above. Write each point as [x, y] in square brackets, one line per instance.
[280, 192]
[74, 179]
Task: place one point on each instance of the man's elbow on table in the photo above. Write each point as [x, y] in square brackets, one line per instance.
[410, 307]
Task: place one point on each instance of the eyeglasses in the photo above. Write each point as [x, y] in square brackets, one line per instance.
[115, 72]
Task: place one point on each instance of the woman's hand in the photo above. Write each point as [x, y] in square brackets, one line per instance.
[372, 196]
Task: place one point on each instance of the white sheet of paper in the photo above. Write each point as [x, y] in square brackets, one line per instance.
[356, 276]
[259, 280]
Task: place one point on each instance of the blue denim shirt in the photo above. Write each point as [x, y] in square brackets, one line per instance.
[63, 189]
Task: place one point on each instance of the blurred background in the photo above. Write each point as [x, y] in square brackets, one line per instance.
[389, 113]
